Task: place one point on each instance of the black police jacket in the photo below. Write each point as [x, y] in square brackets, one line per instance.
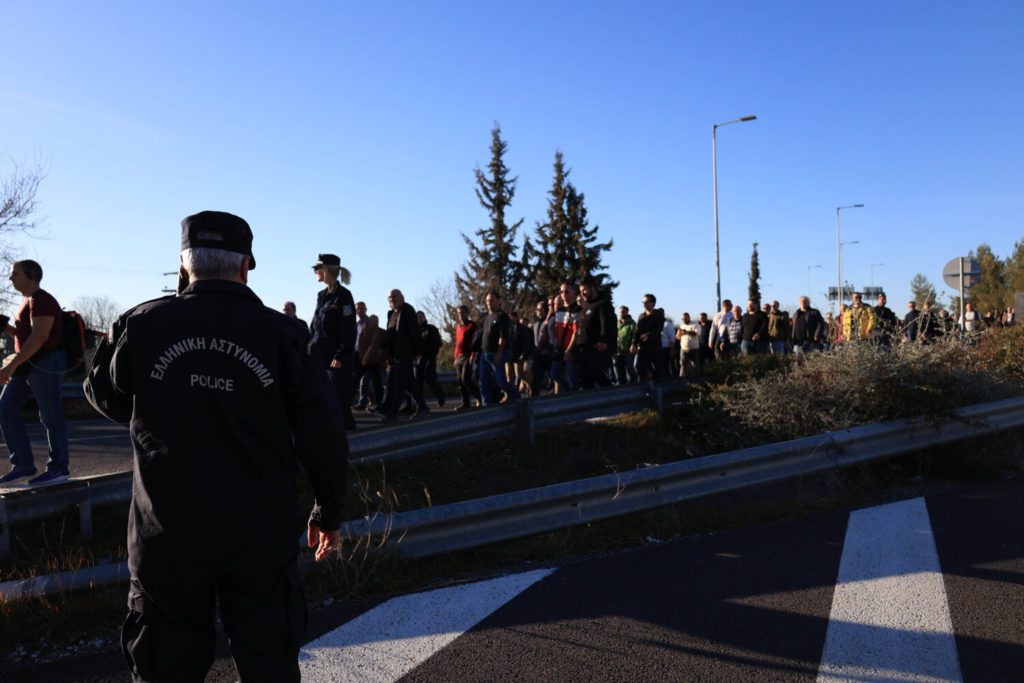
[597, 325]
[223, 402]
[333, 327]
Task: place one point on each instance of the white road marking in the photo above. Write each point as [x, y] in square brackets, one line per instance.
[890, 615]
[392, 639]
[46, 442]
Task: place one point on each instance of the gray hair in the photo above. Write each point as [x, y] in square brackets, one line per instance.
[204, 263]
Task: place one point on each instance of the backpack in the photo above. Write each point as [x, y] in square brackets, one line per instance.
[74, 341]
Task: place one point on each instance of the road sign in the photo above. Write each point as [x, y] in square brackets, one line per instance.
[971, 271]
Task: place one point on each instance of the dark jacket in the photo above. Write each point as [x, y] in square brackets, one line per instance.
[403, 334]
[333, 327]
[910, 324]
[755, 323]
[497, 326]
[597, 325]
[650, 324]
[430, 341]
[223, 403]
[886, 324]
[808, 326]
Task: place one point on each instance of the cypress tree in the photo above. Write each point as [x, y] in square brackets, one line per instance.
[492, 261]
[754, 288]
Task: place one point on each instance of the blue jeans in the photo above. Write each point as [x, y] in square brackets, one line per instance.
[748, 348]
[492, 374]
[563, 372]
[45, 377]
[778, 347]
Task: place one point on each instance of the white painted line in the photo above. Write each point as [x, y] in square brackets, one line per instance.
[391, 640]
[890, 615]
[122, 435]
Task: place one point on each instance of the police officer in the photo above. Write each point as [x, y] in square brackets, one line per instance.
[333, 332]
[223, 401]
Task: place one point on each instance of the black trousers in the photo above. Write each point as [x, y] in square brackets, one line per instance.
[594, 366]
[426, 374]
[169, 632]
[341, 380]
[467, 382]
[399, 382]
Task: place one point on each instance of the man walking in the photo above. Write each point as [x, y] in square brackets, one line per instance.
[401, 342]
[625, 362]
[224, 402]
[886, 323]
[465, 332]
[39, 364]
[426, 364]
[496, 338]
[858, 321]
[718, 340]
[778, 329]
[647, 339]
[809, 328]
[596, 337]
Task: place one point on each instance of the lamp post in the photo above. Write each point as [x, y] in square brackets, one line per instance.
[809, 278]
[839, 253]
[873, 272]
[714, 175]
[841, 245]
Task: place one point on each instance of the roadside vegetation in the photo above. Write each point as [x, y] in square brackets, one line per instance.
[753, 401]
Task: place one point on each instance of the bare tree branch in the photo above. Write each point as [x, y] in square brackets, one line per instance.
[98, 312]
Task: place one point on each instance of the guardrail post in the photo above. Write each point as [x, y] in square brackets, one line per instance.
[657, 394]
[5, 533]
[526, 430]
[85, 517]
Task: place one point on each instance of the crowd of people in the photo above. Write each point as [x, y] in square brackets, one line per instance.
[574, 340]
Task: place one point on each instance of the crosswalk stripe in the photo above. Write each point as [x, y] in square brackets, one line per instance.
[390, 640]
[890, 616]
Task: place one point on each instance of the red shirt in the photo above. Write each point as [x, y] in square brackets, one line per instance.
[464, 339]
[39, 305]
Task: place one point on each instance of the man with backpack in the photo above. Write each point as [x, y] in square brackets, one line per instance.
[39, 363]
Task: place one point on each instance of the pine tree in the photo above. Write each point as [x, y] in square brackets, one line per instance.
[754, 288]
[1015, 268]
[567, 247]
[553, 252]
[992, 293]
[922, 290]
[586, 253]
[492, 262]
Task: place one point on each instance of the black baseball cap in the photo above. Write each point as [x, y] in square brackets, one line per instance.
[326, 260]
[218, 230]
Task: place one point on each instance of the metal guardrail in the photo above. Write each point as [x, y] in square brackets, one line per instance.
[383, 445]
[430, 531]
[472, 523]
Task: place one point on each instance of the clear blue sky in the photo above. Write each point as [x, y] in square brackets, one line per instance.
[354, 128]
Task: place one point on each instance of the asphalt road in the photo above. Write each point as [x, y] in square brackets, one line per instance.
[102, 447]
[900, 592]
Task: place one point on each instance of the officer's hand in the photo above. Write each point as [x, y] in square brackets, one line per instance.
[336, 364]
[325, 542]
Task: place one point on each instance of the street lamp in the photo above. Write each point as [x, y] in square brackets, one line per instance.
[841, 245]
[839, 252]
[714, 175]
[809, 278]
[873, 272]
